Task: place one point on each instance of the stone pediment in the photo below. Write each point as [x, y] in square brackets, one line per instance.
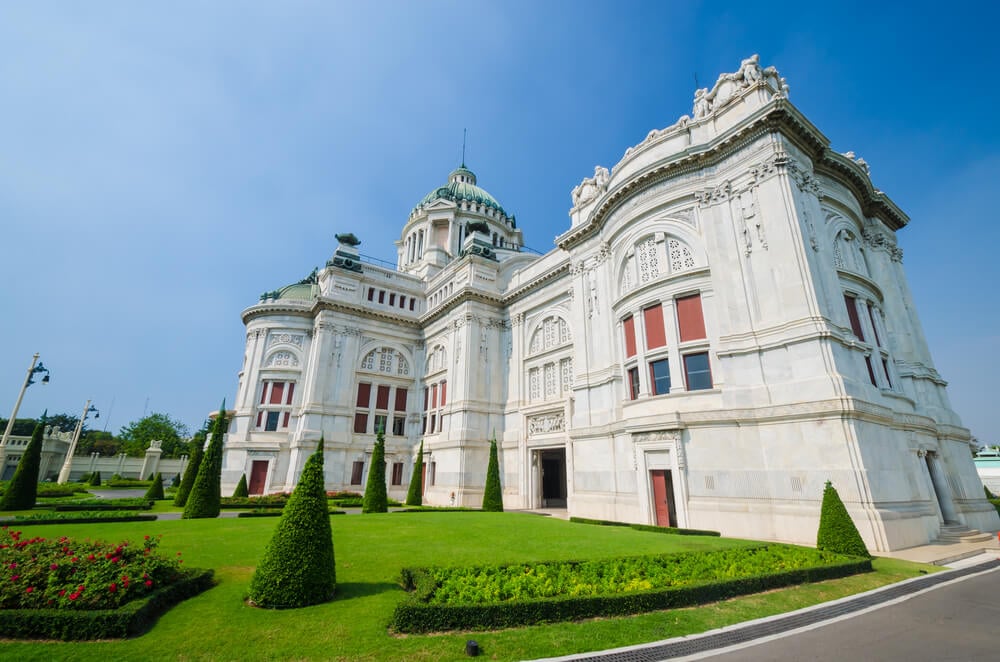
[438, 205]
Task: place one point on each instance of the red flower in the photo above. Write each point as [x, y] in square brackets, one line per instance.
[62, 593]
[74, 559]
[29, 589]
[90, 557]
[54, 566]
[115, 560]
[15, 578]
[113, 587]
[149, 583]
[74, 596]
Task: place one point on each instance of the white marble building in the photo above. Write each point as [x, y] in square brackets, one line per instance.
[725, 325]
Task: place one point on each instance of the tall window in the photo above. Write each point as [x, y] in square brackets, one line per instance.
[852, 313]
[659, 376]
[275, 407]
[397, 473]
[633, 382]
[357, 469]
[628, 324]
[370, 418]
[652, 318]
[690, 321]
[697, 371]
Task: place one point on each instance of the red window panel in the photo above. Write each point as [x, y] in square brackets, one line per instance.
[871, 371]
[633, 383]
[652, 318]
[364, 395]
[284, 424]
[381, 296]
[402, 301]
[382, 397]
[852, 312]
[690, 318]
[397, 473]
[360, 423]
[400, 399]
[444, 392]
[356, 470]
[434, 397]
[371, 293]
[392, 298]
[412, 302]
[871, 316]
[263, 392]
[260, 418]
[277, 390]
[291, 390]
[629, 325]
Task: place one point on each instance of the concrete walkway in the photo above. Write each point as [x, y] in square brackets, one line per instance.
[940, 553]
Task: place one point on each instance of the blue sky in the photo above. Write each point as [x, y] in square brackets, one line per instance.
[161, 165]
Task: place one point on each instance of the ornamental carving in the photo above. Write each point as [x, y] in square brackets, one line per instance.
[729, 86]
[657, 435]
[591, 187]
[707, 197]
[547, 423]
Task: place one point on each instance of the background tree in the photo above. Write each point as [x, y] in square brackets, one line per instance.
[137, 435]
[492, 493]
[298, 568]
[206, 494]
[241, 490]
[376, 500]
[65, 422]
[190, 473]
[837, 532]
[415, 495]
[22, 426]
[23, 487]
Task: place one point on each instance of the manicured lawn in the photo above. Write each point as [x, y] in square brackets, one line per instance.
[370, 550]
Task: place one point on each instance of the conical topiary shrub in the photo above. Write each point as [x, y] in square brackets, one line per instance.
[837, 532]
[298, 568]
[176, 481]
[492, 493]
[23, 488]
[206, 494]
[190, 473]
[241, 487]
[415, 495]
[155, 491]
[95, 479]
[376, 500]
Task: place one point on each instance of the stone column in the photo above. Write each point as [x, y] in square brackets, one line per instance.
[152, 460]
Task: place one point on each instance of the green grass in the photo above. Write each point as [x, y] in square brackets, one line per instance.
[370, 550]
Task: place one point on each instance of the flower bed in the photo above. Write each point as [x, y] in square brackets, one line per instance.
[515, 595]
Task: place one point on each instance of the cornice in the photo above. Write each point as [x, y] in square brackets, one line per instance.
[527, 288]
[303, 309]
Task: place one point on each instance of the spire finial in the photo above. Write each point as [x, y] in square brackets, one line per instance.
[463, 146]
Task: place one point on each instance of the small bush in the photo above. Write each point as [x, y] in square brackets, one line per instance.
[837, 532]
[241, 488]
[95, 479]
[493, 493]
[155, 491]
[56, 490]
[298, 568]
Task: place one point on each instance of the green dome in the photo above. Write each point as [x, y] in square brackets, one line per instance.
[461, 186]
[299, 291]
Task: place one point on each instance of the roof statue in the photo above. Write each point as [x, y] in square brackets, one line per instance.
[348, 238]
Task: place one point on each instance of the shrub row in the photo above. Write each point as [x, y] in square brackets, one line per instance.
[437, 509]
[86, 517]
[414, 615]
[128, 483]
[673, 530]
[131, 619]
[277, 513]
[269, 501]
[89, 505]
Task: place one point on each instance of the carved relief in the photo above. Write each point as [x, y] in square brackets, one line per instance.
[282, 360]
[289, 338]
[730, 86]
[547, 423]
[657, 435]
[591, 187]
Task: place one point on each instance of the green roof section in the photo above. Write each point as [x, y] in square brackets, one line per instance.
[462, 187]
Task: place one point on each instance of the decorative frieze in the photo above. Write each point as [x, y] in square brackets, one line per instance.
[547, 423]
[656, 435]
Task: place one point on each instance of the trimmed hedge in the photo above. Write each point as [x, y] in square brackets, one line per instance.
[190, 473]
[206, 493]
[242, 491]
[131, 619]
[415, 494]
[95, 479]
[128, 483]
[837, 531]
[22, 491]
[277, 513]
[91, 517]
[155, 491]
[414, 615]
[78, 507]
[266, 501]
[670, 530]
[492, 492]
[376, 499]
[438, 509]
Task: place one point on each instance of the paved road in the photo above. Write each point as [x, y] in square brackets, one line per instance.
[956, 622]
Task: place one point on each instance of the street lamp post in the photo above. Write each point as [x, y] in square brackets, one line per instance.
[28, 381]
[67, 464]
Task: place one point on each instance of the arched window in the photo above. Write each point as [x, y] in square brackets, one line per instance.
[552, 332]
[282, 360]
[385, 360]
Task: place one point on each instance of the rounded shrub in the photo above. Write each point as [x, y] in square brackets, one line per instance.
[95, 479]
[492, 493]
[241, 488]
[155, 490]
[837, 532]
[415, 495]
[376, 499]
[23, 488]
[298, 568]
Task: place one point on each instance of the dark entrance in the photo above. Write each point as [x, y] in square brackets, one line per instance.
[258, 476]
[663, 497]
[553, 465]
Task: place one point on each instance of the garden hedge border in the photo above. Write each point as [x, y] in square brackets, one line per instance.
[277, 513]
[81, 520]
[73, 508]
[414, 616]
[131, 619]
[670, 530]
[437, 509]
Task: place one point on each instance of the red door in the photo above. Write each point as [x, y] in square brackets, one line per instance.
[660, 504]
[258, 476]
